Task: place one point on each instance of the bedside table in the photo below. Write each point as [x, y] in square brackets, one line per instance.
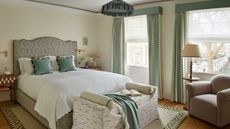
[7, 82]
[94, 68]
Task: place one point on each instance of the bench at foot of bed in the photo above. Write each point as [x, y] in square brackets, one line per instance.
[91, 115]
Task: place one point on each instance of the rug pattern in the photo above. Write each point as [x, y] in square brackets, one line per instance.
[176, 121]
[15, 123]
[11, 118]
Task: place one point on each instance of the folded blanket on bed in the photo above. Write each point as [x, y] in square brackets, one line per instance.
[129, 107]
[146, 89]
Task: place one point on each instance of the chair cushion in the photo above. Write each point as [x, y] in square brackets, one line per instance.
[204, 107]
[220, 82]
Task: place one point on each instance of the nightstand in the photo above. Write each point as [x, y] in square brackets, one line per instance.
[93, 67]
[7, 83]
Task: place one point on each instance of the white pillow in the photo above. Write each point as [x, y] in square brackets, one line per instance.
[26, 65]
[21, 66]
[54, 63]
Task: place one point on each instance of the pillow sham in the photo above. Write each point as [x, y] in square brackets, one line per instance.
[42, 65]
[66, 63]
[54, 63]
[25, 65]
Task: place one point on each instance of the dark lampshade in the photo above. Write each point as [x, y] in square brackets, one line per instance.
[117, 8]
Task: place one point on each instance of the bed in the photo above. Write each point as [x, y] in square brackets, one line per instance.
[32, 90]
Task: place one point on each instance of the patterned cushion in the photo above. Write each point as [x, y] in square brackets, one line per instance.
[42, 65]
[66, 63]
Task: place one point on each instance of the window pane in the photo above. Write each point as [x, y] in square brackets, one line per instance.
[137, 54]
[136, 29]
[211, 30]
[136, 41]
[215, 58]
[210, 25]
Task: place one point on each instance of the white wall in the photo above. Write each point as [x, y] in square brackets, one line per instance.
[31, 20]
[105, 42]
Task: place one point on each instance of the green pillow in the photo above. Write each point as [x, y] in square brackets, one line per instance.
[41, 65]
[66, 63]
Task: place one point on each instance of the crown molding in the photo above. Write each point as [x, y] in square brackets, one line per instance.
[87, 10]
[27, 3]
[65, 6]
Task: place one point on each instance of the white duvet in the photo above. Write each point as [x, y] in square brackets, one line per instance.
[54, 92]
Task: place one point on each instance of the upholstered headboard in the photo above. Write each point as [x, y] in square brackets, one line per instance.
[39, 47]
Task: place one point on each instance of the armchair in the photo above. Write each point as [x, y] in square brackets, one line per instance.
[210, 100]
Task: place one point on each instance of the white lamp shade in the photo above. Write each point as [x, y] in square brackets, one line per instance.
[191, 50]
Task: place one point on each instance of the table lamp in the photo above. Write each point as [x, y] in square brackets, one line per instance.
[191, 51]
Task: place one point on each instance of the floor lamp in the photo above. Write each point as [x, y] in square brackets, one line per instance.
[190, 51]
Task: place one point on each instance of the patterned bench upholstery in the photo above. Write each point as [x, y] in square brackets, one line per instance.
[89, 115]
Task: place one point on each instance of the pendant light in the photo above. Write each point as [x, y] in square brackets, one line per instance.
[117, 8]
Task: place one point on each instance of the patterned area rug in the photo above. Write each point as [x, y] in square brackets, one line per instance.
[19, 118]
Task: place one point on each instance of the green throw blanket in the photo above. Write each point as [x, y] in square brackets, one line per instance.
[129, 107]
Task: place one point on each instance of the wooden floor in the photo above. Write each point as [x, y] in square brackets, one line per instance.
[189, 123]
[3, 122]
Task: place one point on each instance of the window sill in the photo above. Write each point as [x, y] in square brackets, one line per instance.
[139, 67]
[204, 76]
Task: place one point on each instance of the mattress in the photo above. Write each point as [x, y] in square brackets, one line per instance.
[53, 92]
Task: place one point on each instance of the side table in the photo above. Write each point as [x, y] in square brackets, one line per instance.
[7, 82]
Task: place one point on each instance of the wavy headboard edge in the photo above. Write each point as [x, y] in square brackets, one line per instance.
[39, 47]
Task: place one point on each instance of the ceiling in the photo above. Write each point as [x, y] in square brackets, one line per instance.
[89, 5]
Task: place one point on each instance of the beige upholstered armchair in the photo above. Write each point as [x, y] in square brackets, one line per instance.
[210, 100]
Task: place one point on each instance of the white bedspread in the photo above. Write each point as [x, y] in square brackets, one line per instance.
[54, 92]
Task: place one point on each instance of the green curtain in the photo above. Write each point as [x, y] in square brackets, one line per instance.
[202, 5]
[179, 38]
[118, 45]
[154, 29]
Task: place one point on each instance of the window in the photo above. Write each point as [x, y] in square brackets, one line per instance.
[210, 29]
[136, 41]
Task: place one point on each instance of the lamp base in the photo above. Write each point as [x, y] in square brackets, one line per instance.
[190, 71]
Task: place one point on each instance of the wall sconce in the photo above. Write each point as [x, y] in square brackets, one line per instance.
[80, 50]
[4, 52]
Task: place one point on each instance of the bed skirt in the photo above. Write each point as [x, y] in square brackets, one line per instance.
[28, 103]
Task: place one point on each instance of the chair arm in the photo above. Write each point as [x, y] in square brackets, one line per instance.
[223, 95]
[198, 88]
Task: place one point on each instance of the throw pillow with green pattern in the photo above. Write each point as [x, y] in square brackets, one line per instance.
[66, 63]
[42, 65]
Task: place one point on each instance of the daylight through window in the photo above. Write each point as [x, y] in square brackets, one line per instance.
[136, 41]
[210, 29]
